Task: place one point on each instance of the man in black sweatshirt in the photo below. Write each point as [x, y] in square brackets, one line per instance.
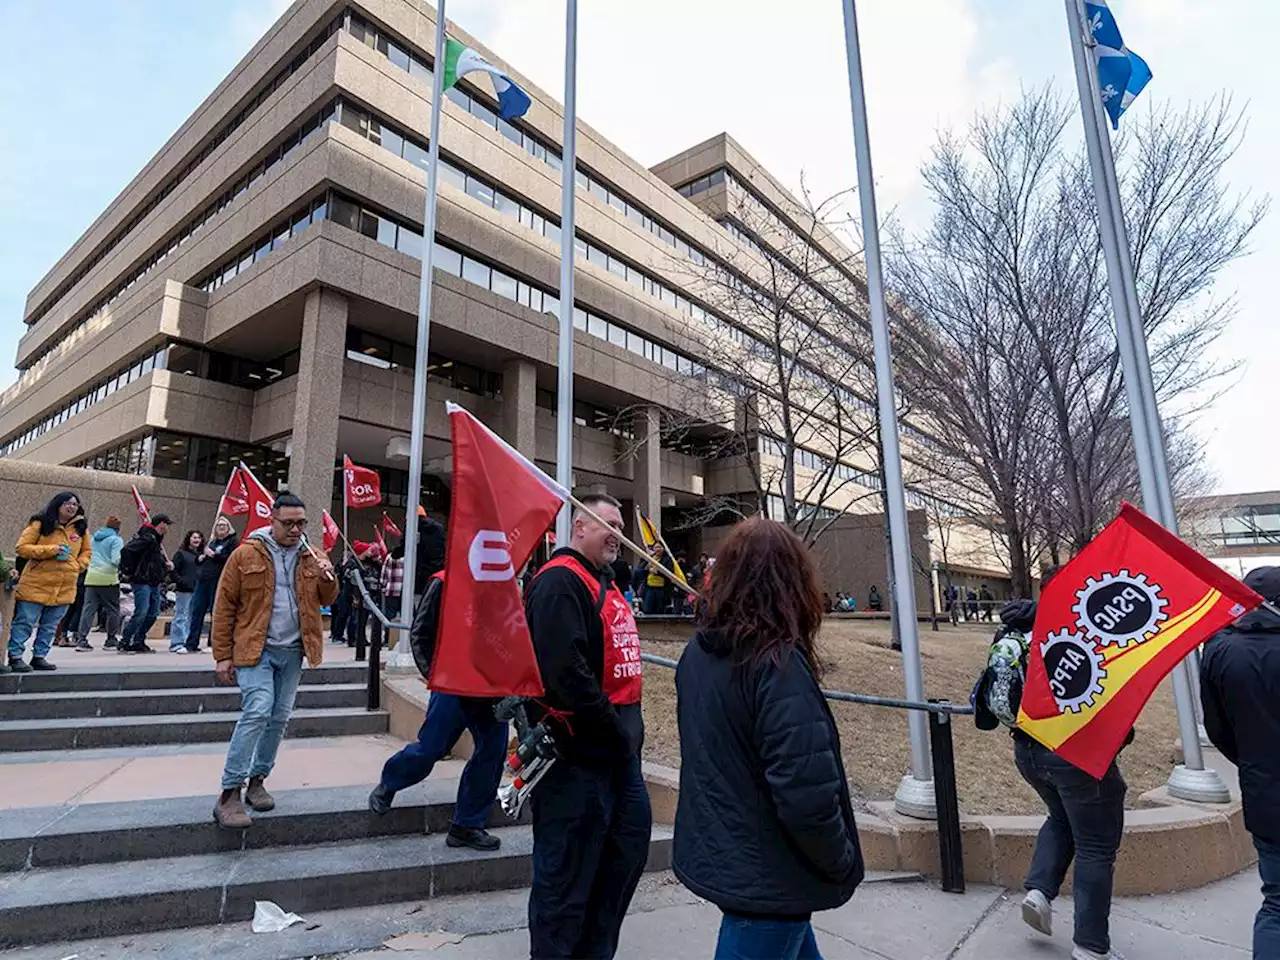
[591, 816]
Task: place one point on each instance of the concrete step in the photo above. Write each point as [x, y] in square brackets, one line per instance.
[69, 903]
[136, 703]
[90, 732]
[141, 675]
[61, 836]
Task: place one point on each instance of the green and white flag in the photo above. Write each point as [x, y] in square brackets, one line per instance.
[459, 60]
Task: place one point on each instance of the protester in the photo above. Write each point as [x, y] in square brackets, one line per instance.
[209, 562]
[143, 563]
[972, 604]
[102, 585]
[430, 552]
[447, 717]
[1240, 689]
[654, 600]
[591, 816]
[988, 602]
[266, 616]
[367, 565]
[185, 572]
[52, 551]
[391, 582]
[1086, 815]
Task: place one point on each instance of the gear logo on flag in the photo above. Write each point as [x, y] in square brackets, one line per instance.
[1120, 608]
[1075, 670]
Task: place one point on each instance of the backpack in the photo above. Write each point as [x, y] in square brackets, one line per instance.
[997, 695]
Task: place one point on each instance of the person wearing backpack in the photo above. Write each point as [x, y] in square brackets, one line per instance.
[447, 716]
[1086, 815]
[144, 565]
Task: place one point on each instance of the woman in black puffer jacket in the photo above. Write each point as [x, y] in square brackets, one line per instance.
[764, 827]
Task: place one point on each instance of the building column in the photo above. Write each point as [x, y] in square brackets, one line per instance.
[520, 406]
[647, 474]
[315, 414]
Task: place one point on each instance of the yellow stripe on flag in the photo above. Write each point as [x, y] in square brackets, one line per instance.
[1122, 667]
[649, 534]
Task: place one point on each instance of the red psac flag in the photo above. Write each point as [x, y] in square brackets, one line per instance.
[502, 505]
[144, 515]
[361, 486]
[1110, 626]
[389, 526]
[260, 500]
[329, 531]
[235, 499]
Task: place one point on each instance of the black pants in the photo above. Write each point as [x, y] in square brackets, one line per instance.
[590, 843]
[339, 613]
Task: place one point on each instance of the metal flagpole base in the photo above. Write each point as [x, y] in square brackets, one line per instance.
[1204, 736]
[915, 798]
[1198, 786]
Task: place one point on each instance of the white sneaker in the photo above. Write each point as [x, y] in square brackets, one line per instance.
[1083, 953]
[1037, 913]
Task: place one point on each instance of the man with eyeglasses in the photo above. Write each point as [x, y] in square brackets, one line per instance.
[266, 618]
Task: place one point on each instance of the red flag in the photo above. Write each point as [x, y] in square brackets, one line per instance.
[235, 499]
[381, 543]
[331, 533]
[260, 500]
[502, 505]
[144, 515]
[389, 526]
[362, 486]
[1110, 626]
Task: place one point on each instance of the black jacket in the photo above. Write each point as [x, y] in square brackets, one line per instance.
[764, 824]
[431, 547]
[1240, 689]
[184, 571]
[568, 639]
[210, 568]
[142, 559]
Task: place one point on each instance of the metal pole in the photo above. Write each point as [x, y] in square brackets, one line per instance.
[950, 842]
[915, 794]
[568, 173]
[1189, 781]
[422, 352]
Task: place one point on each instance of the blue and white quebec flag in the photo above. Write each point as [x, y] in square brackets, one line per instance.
[1121, 73]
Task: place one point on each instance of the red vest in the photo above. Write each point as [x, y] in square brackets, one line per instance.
[622, 667]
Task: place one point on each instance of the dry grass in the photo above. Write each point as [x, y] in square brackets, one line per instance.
[857, 657]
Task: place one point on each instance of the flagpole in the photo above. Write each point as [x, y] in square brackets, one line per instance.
[414, 494]
[346, 551]
[915, 795]
[568, 173]
[1189, 780]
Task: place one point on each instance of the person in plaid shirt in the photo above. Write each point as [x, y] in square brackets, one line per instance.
[392, 582]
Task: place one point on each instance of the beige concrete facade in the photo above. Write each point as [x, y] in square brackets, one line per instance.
[280, 364]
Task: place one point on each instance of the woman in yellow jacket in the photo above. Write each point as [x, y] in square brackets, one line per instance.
[55, 550]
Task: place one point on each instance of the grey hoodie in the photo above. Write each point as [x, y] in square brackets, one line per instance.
[285, 628]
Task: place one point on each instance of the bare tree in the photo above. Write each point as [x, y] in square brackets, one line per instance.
[1010, 343]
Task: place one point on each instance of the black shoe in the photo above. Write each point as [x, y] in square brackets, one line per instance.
[40, 663]
[143, 648]
[18, 665]
[380, 800]
[123, 647]
[474, 837]
[111, 644]
[83, 645]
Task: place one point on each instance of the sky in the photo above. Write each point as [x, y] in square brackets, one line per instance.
[99, 85]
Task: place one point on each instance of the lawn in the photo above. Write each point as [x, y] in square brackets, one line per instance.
[856, 656]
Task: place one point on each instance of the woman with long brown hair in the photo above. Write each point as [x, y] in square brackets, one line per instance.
[764, 828]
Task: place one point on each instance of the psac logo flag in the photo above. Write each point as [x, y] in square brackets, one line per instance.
[1110, 626]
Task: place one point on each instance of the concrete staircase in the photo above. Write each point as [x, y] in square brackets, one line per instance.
[80, 870]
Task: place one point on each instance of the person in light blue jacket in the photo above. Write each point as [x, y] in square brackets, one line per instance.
[102, 584]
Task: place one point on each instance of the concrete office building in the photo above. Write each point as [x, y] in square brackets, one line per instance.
[252, 294]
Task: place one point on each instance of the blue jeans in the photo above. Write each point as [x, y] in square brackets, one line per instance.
[181, 618]
[591, 829]
[1086, 821]
[267, 692]
[757, 938]
[1266, 928]
[201, 604]
[29, 615]
[146, 607]
[447, 716]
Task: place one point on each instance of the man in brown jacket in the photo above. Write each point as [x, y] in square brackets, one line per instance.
[266, 616]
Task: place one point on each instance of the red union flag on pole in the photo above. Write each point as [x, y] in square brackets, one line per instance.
[235, 499]
[144, 515]
[329, 531]
[362, 487]
[259, 498]
[1110, 626]
[389, 526]
[502, 506]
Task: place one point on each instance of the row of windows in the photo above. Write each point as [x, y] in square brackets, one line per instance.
[773, 447]
[182, 456]
[714, 178]
[132, 456]
[99, 391]
[295, 223]
[777, 510]
[178, 239]
[190, 167]
[387, 354]
[587, 414]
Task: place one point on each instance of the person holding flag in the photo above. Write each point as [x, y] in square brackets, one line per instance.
[591, 815]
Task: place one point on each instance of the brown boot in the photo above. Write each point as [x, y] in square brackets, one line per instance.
[229, 812]
[257, 797]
